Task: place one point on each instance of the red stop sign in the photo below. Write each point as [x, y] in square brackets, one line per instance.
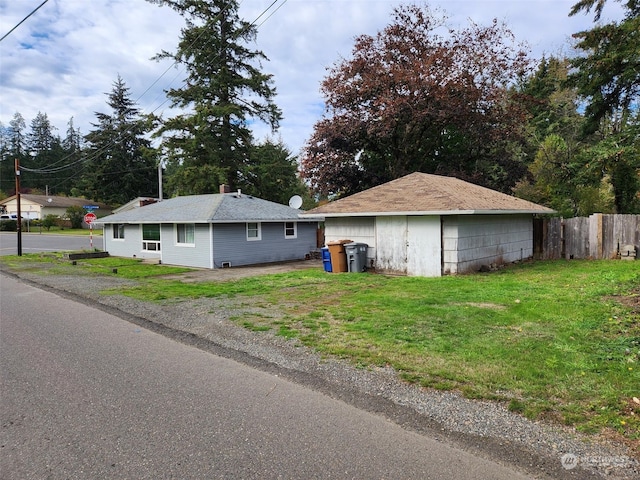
[89, 218]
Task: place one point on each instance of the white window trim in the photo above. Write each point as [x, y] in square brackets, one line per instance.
[175, 235]
[146, 243]
[254, 239]
[295, 230]
[118, 239]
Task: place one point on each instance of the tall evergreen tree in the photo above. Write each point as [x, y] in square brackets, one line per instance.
[122, 164]
[45, 153]
[607, 72]
[272, 173]
[607, 75]
[72, 145]
[7, 179]
[15, 148]
[224, 91]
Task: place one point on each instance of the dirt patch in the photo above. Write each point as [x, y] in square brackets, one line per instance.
[234, 273]
[632, 300]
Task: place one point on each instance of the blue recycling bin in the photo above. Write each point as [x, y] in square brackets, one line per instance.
[326, 259]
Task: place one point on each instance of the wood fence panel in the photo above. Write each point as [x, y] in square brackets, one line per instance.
[624, 230]
[597, 237]
[554, 242]
[576, 238]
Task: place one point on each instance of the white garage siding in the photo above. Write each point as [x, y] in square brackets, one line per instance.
[356, 229]
[391, 244]
[424, 247]
[475, 240]
[409, 245]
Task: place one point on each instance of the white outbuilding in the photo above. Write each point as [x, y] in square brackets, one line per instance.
[430, 225]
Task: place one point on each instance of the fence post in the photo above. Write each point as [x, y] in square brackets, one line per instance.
[595, 236]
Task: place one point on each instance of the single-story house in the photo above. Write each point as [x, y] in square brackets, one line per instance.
[211, 231]
[430, 225]
[34, 207]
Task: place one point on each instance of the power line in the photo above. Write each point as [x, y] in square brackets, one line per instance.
[23, 20]
[86, 158]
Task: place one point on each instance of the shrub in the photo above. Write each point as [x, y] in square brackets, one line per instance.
[50, 221]
[8, 226]
[75, 215]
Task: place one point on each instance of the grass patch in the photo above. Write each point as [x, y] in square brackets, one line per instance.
[554, 340]
[56, 263]
[82, 232]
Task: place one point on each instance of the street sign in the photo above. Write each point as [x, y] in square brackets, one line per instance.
[89, 218]
[90, 207]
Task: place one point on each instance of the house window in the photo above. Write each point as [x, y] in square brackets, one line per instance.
[118, 231]
[254, 232]
[151, 237]
[290, 230]
[185, 234]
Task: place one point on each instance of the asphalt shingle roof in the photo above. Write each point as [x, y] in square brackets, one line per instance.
[422, 193]
[59, 202]
[213, 208]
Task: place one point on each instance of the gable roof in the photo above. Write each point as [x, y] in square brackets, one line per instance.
[212, 208]
[57, 201]
[425, 194]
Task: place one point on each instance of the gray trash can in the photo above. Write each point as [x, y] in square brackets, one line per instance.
[356, 256]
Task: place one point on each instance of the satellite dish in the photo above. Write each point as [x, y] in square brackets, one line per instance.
[295, 201]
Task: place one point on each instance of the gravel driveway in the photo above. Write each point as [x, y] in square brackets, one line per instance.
[488, 428]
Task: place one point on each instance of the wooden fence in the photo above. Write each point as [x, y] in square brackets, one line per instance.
[596, 237]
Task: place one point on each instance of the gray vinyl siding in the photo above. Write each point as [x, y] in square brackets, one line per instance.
[196, 255]
[130, 246]
[230, 244]
[472, 241]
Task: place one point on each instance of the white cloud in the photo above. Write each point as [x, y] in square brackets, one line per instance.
[64, 59]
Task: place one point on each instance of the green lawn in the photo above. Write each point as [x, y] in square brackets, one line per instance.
[62, 231]
[555, 340]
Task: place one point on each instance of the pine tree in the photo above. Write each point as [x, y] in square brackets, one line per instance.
[14, 147]
[45, 153]
[122, 164]
[224, 91]
[272, 173]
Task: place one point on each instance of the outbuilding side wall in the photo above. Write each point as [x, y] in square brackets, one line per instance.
[472, 241]
[356, 229]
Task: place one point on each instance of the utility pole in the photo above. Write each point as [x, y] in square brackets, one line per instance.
[19, 219]
[160, 180]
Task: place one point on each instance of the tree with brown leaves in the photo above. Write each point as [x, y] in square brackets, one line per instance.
[420, 96]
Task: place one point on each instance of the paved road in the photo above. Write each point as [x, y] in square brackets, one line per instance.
[36, 242]
[87, 395]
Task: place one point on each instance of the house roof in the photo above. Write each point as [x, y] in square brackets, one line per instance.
[212, 208]
[135, 203]
[425, 194]
[56, 201]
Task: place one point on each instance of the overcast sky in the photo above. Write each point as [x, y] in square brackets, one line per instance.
[63, 60]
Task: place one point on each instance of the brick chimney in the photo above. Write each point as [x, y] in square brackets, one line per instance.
[224, 188]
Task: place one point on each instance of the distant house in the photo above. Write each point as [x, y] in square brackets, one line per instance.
[211, 231]
[34, 207]
[429, 225]
[136, 203]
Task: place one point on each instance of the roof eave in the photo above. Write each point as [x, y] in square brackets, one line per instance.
[427, 212]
